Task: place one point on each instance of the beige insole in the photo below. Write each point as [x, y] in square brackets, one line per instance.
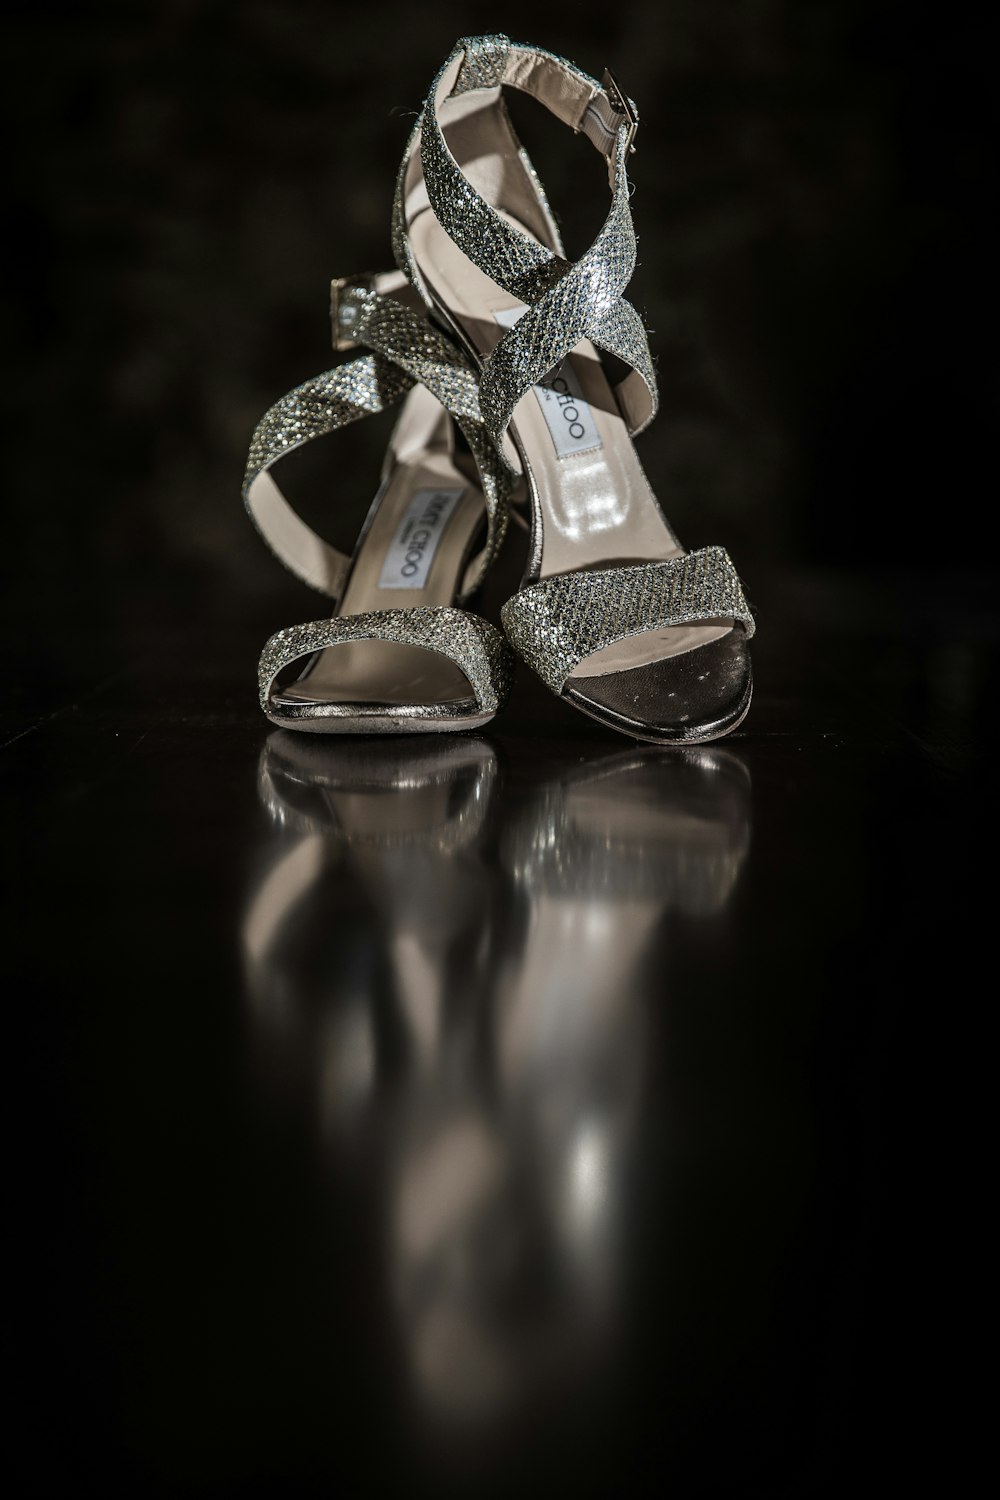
[427, 509]
[596, 504]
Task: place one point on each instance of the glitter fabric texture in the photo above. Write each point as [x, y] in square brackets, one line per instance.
[566, 302]
[407, 350]
[475, 646]
[484, 62]
[557, 623]
[361, 388]
[431, 358]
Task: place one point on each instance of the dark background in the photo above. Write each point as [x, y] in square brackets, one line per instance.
[809, 197]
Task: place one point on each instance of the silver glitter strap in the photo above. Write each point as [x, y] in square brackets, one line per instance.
[360, 388]
[566, 302]
[407, 338]
[557, 623]
[476, 648]
[407, 350]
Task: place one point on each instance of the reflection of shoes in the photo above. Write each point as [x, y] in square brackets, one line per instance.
[352, 792]
[398, 656]
[374, 914]
[613, 615]
[390, 811]
[639, 826]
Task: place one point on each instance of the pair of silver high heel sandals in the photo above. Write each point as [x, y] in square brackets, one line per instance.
[519, 374]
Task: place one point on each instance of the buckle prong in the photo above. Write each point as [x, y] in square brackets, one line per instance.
[622, 104]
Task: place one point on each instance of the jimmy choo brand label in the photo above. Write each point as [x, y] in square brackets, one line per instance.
[567, 415]
[408, 560]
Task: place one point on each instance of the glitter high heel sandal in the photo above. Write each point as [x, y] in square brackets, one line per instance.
[398, 657]
[613, 614]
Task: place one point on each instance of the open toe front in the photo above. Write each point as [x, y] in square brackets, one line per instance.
[385, 672]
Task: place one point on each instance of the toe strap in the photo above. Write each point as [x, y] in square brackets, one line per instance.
[477, 648]
[557, 623]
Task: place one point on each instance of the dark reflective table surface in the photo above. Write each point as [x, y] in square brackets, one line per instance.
[476, 1045]
[529, 1111]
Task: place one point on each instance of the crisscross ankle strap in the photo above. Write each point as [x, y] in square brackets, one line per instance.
[566, 302]
[596, 110]
[371, 311]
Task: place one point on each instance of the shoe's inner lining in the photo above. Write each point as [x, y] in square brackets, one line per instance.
[596, 505]
[418, 539]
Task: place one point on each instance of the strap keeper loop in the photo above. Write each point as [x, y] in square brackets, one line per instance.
[344, 313]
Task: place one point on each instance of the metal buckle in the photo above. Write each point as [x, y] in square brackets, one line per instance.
[622, 104]
[343, 315]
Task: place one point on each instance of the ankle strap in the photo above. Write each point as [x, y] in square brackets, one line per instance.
[566, 302]
[597, 110]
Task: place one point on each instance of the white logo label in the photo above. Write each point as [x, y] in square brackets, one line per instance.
[408, 560]
[567, 414]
